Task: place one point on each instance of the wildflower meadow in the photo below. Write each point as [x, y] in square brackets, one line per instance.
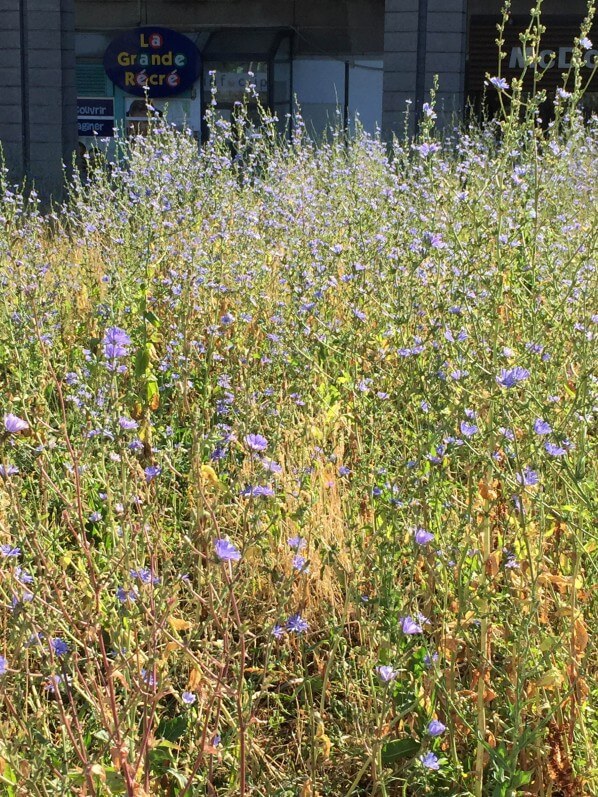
[297, 465]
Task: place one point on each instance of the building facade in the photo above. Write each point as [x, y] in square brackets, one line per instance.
[72, 69]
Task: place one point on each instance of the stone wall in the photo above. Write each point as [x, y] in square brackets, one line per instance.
[323, 26]
[423, 38]
[37, 101]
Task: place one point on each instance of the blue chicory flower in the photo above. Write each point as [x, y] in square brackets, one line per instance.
[296, 624]
[256, 442]
[151, 472]
[468, 429]
[226, 551]
[528, 477]
[386, 673]
[509, 377]
[430, 761]
[13, 424]
[541, 427]
[59, 646]
[436, 728]
[554, 450]
[422, 537]
[410, 627]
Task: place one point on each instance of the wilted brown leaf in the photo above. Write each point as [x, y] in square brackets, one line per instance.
[493, 564]
[580, 636]
[177, 624]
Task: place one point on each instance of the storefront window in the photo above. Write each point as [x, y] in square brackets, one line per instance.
[235, 59]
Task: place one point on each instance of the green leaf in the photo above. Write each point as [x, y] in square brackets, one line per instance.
[398, 749]
[151, 318]
[152, 388]
[141, 361]
[173, 729]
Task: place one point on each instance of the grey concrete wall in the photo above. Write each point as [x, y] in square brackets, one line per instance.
[37, 103]
[348, 27]
[423, 38]
[11, 118]
[446, 42]
[557, 7]
[401, 33]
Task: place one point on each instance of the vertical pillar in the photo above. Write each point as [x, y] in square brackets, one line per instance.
[423, 38]
[446, 49]
[38, 101]
[401, 26]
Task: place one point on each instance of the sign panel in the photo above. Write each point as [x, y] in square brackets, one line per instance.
[231, 84]
[153, 59]
[95, 116]
[555, 52]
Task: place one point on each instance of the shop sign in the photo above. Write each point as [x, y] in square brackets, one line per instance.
[549, 59]
[95, 116]
[231, 86]
[554, 56]
[157, 60]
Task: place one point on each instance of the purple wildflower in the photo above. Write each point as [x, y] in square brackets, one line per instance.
[116, 342]
[509, 377]
[422, 537]
[23, 576]
[3, 665]
[300, 563]
[430, 761]
[554, 450]
[278, 631]
[410, 627]
[344, 470]
[258, 491]
[13, 424]
[386, 674]
[256, 442]
[468, 429]
[10, 551]
[59, 646]
[542, 427]
[296, 624]
[151, 472]
[436, 728]
[144, 574]
[226, 551]
[270, 465]
[499, 83]
[429, 660]
[188, 698]
[528, 477]
[127, 423]
[8, 470]
[148, 677]
[54, 682]
[125, 596]
[296, 543]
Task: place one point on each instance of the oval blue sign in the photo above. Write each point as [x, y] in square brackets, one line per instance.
[158, 60]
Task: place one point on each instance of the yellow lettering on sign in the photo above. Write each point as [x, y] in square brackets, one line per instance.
[123, 59]
[143, 40]
[129, 78]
